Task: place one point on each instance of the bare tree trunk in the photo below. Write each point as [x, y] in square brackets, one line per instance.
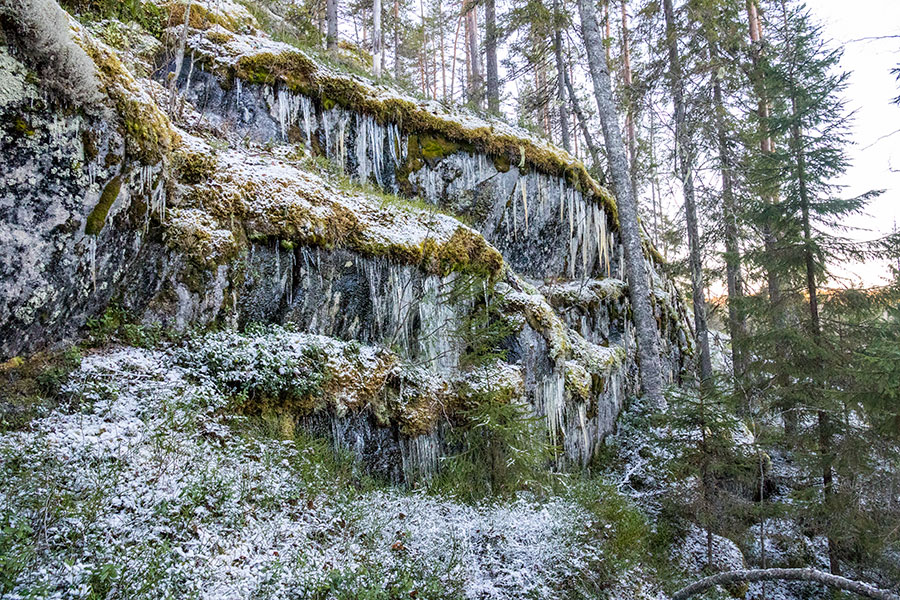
[490, 53]
[685, 149]
[443, 58]
[475, 83]
[331, 15]
[376, 37]
[629, 100]
[560, 81]
[813, 575]
[629, 228]
[453, 61]
[397, 39]
[576, 107]
[737, 326]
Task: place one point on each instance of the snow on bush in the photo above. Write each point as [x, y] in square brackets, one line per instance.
[144, 487]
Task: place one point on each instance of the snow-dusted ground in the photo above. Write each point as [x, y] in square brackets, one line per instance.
[143, 487]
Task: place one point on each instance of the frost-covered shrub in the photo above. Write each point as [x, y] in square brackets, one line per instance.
[41, 29]
[262, 372]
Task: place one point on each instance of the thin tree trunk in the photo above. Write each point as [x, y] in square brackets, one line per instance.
[560, 81]
[576, 107]
[490, 54]
[443, 58]
[331, 15]
[475, 83]
[736, 323]
[453, 61]
[857, 587]
[629, 100]
[397, 39]
[629, 228]
[823, 418]
[376, 37]
[685, 149]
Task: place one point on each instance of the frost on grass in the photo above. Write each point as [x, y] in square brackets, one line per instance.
[142, 488]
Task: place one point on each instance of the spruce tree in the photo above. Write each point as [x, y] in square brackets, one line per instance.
[808, 127]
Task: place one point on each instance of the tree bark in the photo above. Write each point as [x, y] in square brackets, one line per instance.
[376, 37]
[629, 100]
[397, 39]
[737, 326]
[331, 16]
[490, 53]
[848, 585]
[560, 80]
[475, 82]
[685, 149]
[629, 228]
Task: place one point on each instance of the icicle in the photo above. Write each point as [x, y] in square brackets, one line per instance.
[553, 400]
[515, 219]
[376, 132]
[583, 236]
[562, 211]
[342, 125]
[361, 164]
[237, 81]
[92, 259]
[524, 185]
[306, 105]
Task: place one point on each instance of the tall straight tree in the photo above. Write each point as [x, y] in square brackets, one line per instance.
[376, 37]
[475, 80]
[638, 282]
[808, 116]
[331, 16]
[629, 96]
[562, 105]
[490, 56]
[719, 25]
[684, 148]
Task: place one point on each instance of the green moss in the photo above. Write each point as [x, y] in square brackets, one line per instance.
[465, 252]
[501, 163]
[29, 386]
[148, 133]
[293, 68]
[201, 18]
[97, 218]
[436, 147]
[193, 167]
[21, 127]
[436, 137]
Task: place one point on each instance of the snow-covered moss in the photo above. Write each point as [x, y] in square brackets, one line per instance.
[259, 60]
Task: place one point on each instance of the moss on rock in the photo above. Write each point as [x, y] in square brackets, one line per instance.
[95, 221]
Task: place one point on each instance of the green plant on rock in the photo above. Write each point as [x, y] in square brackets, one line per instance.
[31, 386]
[117, 324]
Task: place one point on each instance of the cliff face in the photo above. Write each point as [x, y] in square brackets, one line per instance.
[287, 193]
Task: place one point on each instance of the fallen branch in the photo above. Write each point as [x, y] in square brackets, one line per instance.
[841, 583]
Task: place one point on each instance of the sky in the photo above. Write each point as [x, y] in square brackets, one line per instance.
[871, 88]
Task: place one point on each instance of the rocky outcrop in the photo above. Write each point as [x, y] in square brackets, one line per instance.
[291, 194]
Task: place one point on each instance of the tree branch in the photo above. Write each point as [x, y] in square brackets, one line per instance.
[816, 576]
